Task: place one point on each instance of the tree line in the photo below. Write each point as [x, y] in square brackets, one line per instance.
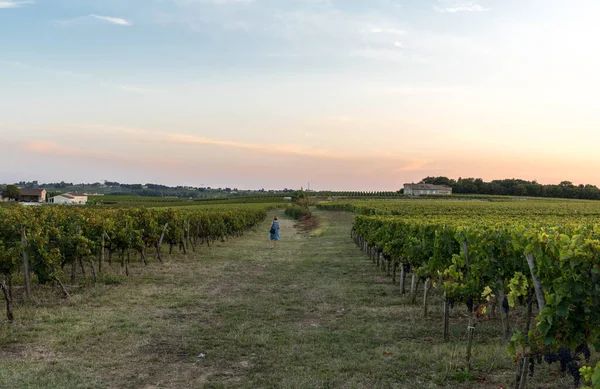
[516, 187]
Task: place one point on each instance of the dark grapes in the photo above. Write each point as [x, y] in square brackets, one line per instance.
[587, 353]
[539, 358]
[564, 356]
[585, 350]
[505, 305]
[573, 368]
[531, 366]
[470, 305]
[451, 303]
[550, 358]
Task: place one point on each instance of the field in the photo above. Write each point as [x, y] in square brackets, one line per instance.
[313, 313]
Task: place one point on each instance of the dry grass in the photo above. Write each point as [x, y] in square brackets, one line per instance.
[312, 313]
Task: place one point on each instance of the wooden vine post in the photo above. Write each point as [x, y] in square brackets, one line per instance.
[522, 373]
[26, 263]
[402, 279]
[182, 244]
[425, 290]
[79, 259]
[537, 285]
[446, 317]
[414, 286]
[101, 260]
[470, 331]
[159, 244]
[62, 286]
[9, 314]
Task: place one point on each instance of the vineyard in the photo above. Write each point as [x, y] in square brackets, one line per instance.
[465, 292]
[543, 256]
[52, 245]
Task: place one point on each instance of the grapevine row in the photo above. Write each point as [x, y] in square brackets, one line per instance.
[46, 241]
[474, 255]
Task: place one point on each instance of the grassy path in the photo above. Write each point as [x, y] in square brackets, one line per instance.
[311, 313]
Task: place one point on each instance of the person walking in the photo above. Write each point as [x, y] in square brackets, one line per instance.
[274, 232]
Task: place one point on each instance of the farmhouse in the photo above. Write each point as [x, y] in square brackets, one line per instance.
[69, 198]
[32, 195]
[426, 189]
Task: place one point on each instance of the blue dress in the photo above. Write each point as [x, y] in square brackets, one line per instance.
[275, 236]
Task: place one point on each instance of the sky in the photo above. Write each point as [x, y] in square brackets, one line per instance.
[344, 94]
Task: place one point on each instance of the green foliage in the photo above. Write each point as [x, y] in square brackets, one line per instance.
[301, 198]
[130, 201]
[296, 212]
[11, 192]
[58, 236]
[564, 239]
[518, 286]
[591, 376]
[112, 279]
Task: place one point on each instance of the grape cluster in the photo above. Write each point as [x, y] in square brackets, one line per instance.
[470, 305]
[585, 350]
[573, 368]
[550, 358]
[451, 303]
[564, 357]
[505, 305]
[531, 366]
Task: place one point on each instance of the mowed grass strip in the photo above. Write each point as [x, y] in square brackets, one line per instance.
[312, 313]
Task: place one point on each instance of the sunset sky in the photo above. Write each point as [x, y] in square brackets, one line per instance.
[346, 94]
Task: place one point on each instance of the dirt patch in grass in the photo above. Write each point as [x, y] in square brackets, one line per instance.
[307, 223]
[12, 351]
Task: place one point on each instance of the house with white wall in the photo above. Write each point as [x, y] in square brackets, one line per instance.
[426, 189]
[69, 198]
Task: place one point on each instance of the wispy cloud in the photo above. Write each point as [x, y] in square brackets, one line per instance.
[81, 76]
[57, 150]
[269, 148]
[190, 140]
[14, 4]
[89, 18]
[462, 7]
[134, 89]
[112, 20]
[415, 165]
[393, 31]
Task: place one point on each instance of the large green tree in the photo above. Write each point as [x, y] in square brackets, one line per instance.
[301, 198]
[11, 192]
[438, 181]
